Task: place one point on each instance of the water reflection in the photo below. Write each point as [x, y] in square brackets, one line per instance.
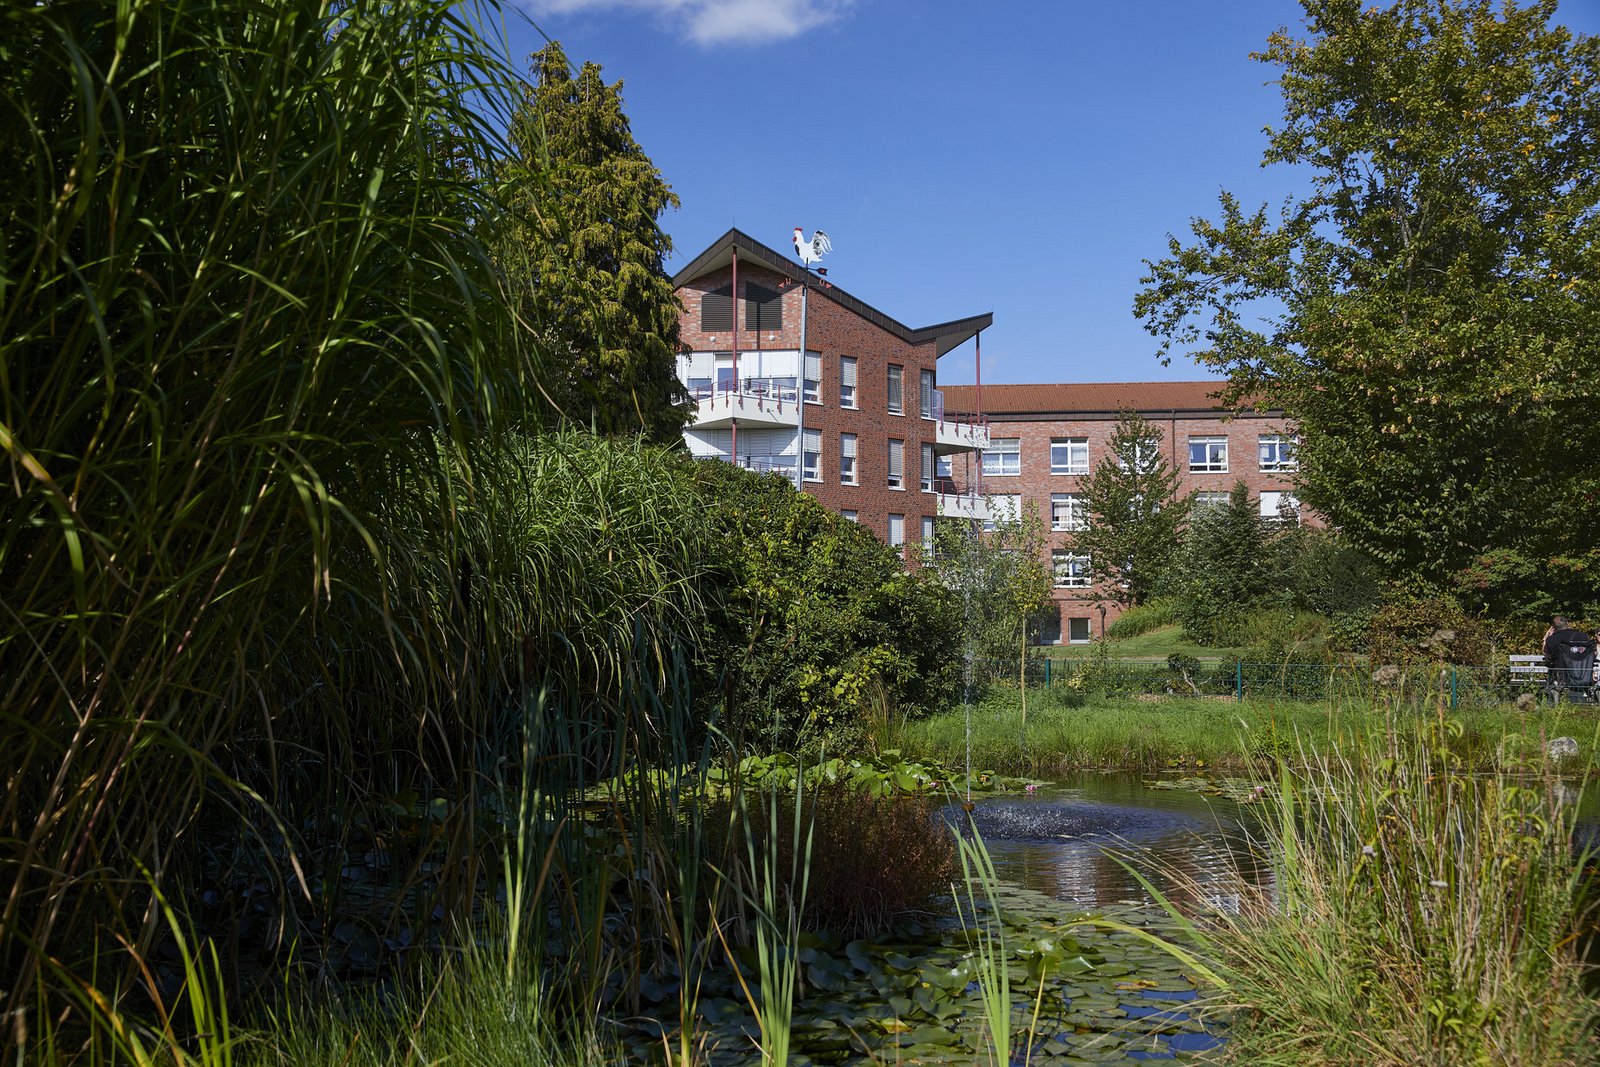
[1060, 840]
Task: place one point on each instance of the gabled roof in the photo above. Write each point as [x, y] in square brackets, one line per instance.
[946, 335]
[1084, 398]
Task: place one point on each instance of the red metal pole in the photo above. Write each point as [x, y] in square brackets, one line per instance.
[733, 440]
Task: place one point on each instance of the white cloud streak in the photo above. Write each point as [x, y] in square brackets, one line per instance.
[715, 22]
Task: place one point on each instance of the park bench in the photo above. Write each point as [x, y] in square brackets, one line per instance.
[1528, 669]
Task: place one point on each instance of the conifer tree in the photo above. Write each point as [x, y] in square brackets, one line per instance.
[1135, 515]
[584, 254]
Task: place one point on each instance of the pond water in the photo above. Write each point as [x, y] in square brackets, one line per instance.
[1099, 995]
[1060, 841]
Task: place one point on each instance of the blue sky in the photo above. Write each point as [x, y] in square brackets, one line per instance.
[1019, 158]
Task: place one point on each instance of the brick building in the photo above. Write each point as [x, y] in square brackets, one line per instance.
[1045, 439]
[860, 421]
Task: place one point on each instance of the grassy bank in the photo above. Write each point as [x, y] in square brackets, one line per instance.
[1419, 914]
[1165, 733]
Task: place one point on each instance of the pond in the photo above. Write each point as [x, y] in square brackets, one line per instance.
[1098, 995]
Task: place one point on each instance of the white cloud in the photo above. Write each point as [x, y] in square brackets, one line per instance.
[714, 22]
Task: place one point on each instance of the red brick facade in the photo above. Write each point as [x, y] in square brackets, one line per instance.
[1013, 412]
[837, 326]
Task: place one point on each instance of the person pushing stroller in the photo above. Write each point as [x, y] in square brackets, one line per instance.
[1569, 654]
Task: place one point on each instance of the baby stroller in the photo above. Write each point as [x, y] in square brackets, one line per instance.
[1570, 656]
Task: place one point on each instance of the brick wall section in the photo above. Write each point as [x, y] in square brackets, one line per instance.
[836, 332]
[1036, 483]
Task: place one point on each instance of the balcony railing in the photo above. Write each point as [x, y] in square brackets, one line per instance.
[756, 401]
[765, 463]
[957, 433]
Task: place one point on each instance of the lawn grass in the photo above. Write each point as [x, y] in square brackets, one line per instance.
[1164, 641]
[1220, 734]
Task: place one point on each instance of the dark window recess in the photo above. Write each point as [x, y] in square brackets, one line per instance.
[763, 308]
[716, 311]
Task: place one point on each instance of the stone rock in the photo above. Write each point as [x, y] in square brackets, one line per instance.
[1560, 749]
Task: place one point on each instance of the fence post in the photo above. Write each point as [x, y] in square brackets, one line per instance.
[1047, 672]
[1238, 681]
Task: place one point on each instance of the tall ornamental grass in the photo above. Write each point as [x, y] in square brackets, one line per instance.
[240, 289]
[1420, 915]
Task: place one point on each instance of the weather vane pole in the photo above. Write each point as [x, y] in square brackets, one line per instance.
[809, 252]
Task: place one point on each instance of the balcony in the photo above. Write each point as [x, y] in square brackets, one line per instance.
[953, 505]
[770, 463]
[752, 402]
[958, 433]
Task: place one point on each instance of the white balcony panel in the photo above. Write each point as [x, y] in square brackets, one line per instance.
[952, 436]
[963, 506]
[718, 410]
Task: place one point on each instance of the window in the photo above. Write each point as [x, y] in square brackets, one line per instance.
[1280, 508]
[896, 390]
[925, 395]
[943, 469]
[1210, 500]
[1277, 453]
[1045, 627]
[1003, 508]
[813, 379]
[1208, 455]
[849, 515]
[897, 464]
[925, 470]
[813, 456]
[1068, 511]
[1077, 631]
[716, 310]
[847, 459]
[1069, 455]
[1072, 572]
[1003, 457]
[927, 537]
[727, 374]
[847, 381]
[763, 308]
[897, 529]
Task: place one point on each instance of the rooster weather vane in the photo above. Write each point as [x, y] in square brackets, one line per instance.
[812, 251]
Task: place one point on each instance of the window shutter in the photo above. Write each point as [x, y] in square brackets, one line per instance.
[763, 308]
[716, 310]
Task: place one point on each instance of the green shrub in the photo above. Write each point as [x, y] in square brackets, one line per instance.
[1282, 625]
[1143, 619]
[1425, 628]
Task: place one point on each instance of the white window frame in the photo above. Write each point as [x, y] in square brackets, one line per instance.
[1274, 442]
[1002, 457]
[897, 530]
[1069, 511]
[1277, 496]
[1070, 570]
[811, 457]
[897, 464]
[1211, 498]
[895, 381]
[927, 536]
[1210, 464]
[849, 515]
[847, 381]
[925, 388]
[1072, 463]
[1010, 503]
[1088, 632]
[926, 467]
[811, 377]
[847, 459]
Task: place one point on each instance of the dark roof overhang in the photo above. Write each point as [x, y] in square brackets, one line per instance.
[945, 335]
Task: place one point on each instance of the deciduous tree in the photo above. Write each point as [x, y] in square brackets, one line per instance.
[1439, 285]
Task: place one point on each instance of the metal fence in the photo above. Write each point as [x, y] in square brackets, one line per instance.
[1240, 679]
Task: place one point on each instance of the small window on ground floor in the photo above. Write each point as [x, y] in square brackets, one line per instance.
[1045, 627]
[1077, 631]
